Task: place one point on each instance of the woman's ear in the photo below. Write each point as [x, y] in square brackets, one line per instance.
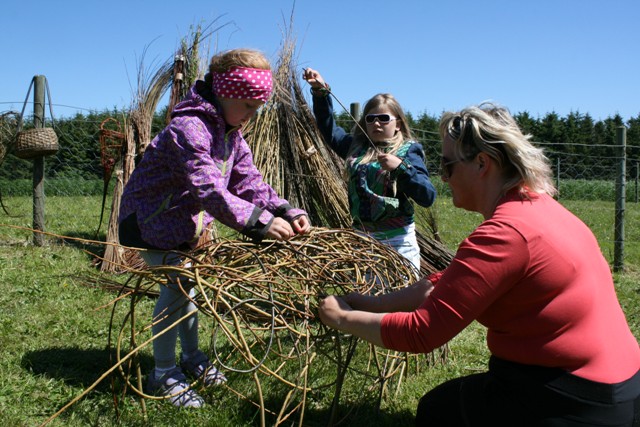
[482, 161]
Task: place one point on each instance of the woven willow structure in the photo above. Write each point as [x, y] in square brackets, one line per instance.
[261, 299]
[262, 303]
[290, 153]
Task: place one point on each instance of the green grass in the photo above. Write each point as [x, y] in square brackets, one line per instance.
[69, 186]
[66, 187]
[55, 328]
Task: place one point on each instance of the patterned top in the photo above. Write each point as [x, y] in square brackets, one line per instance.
[196, 170]
[380, 203]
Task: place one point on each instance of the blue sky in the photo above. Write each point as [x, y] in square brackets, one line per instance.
[538, 56]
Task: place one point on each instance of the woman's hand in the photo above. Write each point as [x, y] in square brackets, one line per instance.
[301, 224]
[337, 314]
[332, 310]
[314, 78]
[389, 162]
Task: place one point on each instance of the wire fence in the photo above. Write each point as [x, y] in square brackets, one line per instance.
[583, 172]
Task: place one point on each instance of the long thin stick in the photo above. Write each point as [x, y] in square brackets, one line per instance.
[328, 89]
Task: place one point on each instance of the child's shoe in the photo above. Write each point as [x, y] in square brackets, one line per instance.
[201, 367]
[175, 387]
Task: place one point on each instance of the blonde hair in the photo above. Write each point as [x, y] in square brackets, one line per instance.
[491, 129]
[243, 57]
[361, 139]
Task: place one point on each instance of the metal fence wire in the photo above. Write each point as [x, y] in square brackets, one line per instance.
[587, 172]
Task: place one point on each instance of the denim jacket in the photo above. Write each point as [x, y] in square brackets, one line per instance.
[378, 201]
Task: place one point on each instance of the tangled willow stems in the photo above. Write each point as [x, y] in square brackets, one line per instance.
[262, 300]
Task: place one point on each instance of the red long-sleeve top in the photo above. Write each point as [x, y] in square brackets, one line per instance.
[534, 275]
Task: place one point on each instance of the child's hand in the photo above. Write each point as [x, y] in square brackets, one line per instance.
[388, 162]
[301, 224]
[313, 78]
[280, 230]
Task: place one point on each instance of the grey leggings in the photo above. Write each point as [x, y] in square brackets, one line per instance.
[171, 306]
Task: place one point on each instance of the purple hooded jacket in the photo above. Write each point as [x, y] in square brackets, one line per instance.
[193, 172]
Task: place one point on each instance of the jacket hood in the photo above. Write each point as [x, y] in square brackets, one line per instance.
[200, 100]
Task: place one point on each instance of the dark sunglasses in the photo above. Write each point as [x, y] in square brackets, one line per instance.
[446, 167]
[382, 118]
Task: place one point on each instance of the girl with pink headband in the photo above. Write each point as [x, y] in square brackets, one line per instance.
[200, 168]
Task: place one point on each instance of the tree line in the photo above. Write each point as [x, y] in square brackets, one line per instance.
[576, 137]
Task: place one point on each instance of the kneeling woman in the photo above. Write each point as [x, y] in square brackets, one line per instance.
[562, 353]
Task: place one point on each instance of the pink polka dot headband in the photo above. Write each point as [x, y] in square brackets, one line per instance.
[243, 83]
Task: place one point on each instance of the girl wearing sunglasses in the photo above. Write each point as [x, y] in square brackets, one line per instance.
[385, 167]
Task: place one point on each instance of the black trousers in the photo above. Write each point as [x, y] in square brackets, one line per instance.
[517, 395]
[129, 235]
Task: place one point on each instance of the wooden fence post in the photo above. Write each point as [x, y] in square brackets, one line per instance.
[355, 110]
[558, 178]
[38, 163]
[636, 180]
[618, 249]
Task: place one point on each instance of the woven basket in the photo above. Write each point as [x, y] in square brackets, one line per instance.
[36, 142]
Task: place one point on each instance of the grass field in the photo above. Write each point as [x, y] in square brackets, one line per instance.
[54, 329]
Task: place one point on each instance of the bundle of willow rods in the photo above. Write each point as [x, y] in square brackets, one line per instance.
[262, 300]
[151, 87]
[137, 136]
[290, 152]
[8, 131]
[304, 169]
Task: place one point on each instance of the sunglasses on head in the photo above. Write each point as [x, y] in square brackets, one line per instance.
[382, 118]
